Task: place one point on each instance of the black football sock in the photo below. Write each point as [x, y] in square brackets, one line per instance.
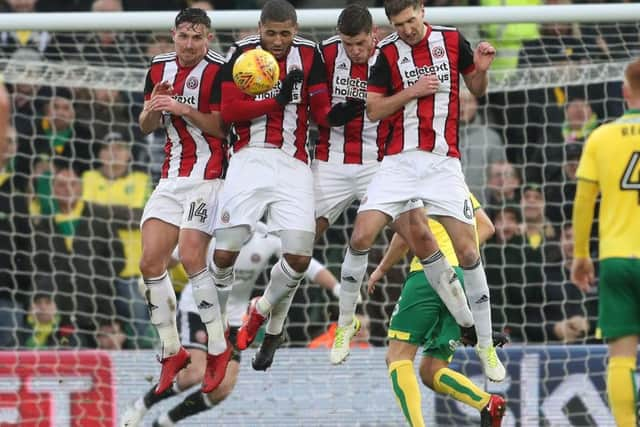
[151, 398]
[193, 404]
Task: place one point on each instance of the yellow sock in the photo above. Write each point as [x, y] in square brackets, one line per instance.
[456, 385]
[407, 391]
[621, 389]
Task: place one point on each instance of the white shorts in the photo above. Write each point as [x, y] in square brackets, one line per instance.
[337, 186]
[417, 175]
[267, 180]
[184, 203]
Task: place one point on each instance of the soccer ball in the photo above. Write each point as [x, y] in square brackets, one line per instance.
[256, 71]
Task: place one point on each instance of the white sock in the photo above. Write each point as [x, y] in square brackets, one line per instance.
[283, 280]
[139, 404]
[223, 278]
[279, 313]
[161, 299]
[444, 281]
[165, 421]
[477, 290]
[206, 297]
[352, 273]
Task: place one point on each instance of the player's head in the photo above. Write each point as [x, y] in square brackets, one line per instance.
[355, 28]
[278, 26]
[191, 35]
[407, 17]
[631, 87]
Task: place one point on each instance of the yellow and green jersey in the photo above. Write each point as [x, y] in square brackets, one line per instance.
[444, 242]
[130, 190]
[611, 159]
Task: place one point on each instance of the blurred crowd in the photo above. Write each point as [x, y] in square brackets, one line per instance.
[75, 172]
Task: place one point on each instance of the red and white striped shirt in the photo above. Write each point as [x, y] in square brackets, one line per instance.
[429, 123]
[360, 140]
[288, 127]
[189, 152]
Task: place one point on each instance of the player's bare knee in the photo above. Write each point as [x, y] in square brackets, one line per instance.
[426, 377]
[468, 255]
[297, 247]
[387, 359]
[193, 261]
[151, 266]
[427, 373]
[224, 259]
[299, 263]
[362, 239]
[422, 244]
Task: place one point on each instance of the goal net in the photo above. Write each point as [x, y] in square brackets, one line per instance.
[551, 85]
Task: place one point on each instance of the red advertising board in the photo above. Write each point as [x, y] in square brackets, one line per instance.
[56, 388]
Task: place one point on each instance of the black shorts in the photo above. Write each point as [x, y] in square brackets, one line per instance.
[193, 333]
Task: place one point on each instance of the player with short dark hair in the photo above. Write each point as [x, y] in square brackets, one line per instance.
[415, 82]
[613, 173]
[347, 156]
[178, 97]
[269, 171]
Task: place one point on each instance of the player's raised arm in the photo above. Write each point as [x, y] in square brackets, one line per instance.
[237, 106]
[477, 80]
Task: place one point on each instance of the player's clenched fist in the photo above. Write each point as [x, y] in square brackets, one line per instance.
[483, 56]
[425, 86]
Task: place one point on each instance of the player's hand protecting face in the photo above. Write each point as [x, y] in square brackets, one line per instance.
[286, 89]
[344, 112]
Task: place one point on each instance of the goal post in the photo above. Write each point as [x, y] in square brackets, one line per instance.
[307, 18]
[529, 110]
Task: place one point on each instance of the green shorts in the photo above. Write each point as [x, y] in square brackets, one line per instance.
[421, 318]
[619, 297]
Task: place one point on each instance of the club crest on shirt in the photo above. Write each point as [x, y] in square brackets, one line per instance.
[225, 217]
[437, 52]
[255, 258]
[192, 82]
